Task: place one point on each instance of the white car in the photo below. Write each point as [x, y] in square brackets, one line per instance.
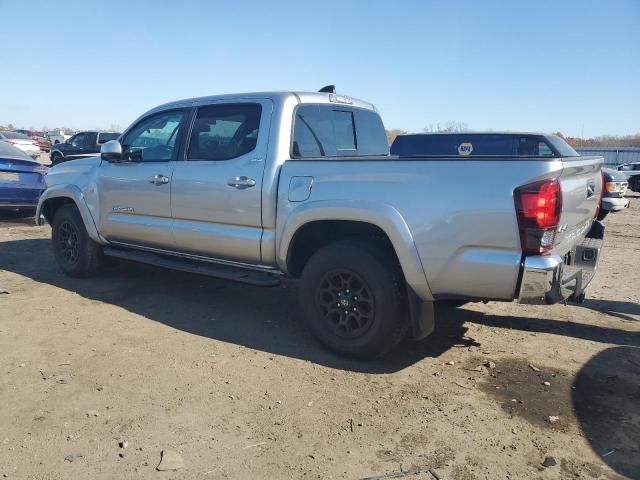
[22, 142]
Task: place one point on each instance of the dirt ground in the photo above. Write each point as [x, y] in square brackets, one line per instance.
[227, 376]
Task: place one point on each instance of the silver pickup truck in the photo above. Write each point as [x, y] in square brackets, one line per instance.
[255, 187]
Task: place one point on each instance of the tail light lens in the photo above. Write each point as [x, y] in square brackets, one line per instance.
[599, 206]
[538, 208]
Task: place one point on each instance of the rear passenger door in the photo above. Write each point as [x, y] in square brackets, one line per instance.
[216, 189]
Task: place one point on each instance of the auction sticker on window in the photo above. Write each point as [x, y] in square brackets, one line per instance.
[465, 149]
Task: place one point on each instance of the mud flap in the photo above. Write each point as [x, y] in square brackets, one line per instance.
[422, 316]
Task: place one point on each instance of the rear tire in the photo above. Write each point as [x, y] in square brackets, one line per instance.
[354, 299]
[55, 158]
[602, 214]
[76, 254]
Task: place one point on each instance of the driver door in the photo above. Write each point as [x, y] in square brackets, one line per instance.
[135, 193]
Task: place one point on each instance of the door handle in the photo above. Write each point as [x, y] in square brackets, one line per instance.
[241, 182]
[158, 179]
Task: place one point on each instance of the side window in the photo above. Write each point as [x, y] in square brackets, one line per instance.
[372, 138]
[153, 139]
[533, 146]
[79, 140]
[313, 134]
[223, 132]
[544, 150]
[104, 137]
[91, 139]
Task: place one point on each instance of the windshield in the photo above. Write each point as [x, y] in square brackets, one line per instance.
[563, 148]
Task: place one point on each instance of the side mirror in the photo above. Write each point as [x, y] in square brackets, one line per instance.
[111, 151]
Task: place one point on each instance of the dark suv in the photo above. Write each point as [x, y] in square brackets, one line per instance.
[82, 144]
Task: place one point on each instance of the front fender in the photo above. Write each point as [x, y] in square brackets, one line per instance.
[383, 216]
[73, 193]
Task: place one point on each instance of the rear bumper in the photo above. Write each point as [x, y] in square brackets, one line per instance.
[550, 279]
[614, 204]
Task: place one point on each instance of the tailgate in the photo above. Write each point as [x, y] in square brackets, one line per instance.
[581, 183]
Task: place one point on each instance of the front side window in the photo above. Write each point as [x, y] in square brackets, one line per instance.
[79, 140]
[104, 137]
[153, 139]
[223, 132]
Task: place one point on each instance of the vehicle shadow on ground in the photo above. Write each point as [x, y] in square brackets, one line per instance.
[615, 308]
[16, 219]
[263, 319]
[605, 397]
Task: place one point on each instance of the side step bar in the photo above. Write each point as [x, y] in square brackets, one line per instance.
[208, 269]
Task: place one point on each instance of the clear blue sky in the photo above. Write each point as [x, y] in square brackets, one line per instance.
[543, 65]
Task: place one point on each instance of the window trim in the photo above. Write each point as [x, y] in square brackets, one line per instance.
[186, 111]
[332, 107]
[192, 122]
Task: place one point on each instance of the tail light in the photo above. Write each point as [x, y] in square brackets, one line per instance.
[601, 194]
[538, 208]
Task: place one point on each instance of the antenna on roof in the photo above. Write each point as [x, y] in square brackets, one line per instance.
[328, 89]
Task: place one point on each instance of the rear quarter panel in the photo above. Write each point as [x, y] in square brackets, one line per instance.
[460, 214]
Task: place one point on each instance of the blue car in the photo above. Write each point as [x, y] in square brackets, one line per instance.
[21, 179]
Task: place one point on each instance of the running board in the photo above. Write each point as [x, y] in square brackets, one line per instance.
[208, 269]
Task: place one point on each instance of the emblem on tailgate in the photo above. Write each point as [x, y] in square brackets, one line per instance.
[465, 149]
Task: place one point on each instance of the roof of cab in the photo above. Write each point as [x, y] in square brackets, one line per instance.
[301, 97]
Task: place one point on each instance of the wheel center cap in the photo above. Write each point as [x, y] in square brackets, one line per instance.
[344, 303]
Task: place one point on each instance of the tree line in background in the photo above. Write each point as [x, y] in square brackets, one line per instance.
[66, 130]
[603, 141]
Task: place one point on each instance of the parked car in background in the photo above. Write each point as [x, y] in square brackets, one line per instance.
[480, 144]
[22, 142]
[41, 138]
[615, 186]
[58, 136]
[632, 171]
[257, 186]
[21, 179]
[82, 144]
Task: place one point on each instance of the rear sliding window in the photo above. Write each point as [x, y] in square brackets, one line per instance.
[335, 131]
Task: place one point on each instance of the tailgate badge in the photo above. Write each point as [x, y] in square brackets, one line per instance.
[591, 189]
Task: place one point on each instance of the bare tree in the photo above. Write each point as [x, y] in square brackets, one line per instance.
[449, 127]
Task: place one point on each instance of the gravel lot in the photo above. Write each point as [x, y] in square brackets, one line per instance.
[228, 377]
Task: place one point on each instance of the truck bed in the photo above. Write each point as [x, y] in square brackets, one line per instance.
[459, 212]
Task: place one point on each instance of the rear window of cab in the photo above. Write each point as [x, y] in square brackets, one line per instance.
[337, 131]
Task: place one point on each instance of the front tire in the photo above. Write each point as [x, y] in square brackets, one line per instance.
[75, 252]
[55, 158]
[354, 299]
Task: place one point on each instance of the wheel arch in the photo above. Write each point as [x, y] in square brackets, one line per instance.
[57, 196]
[313, 224]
